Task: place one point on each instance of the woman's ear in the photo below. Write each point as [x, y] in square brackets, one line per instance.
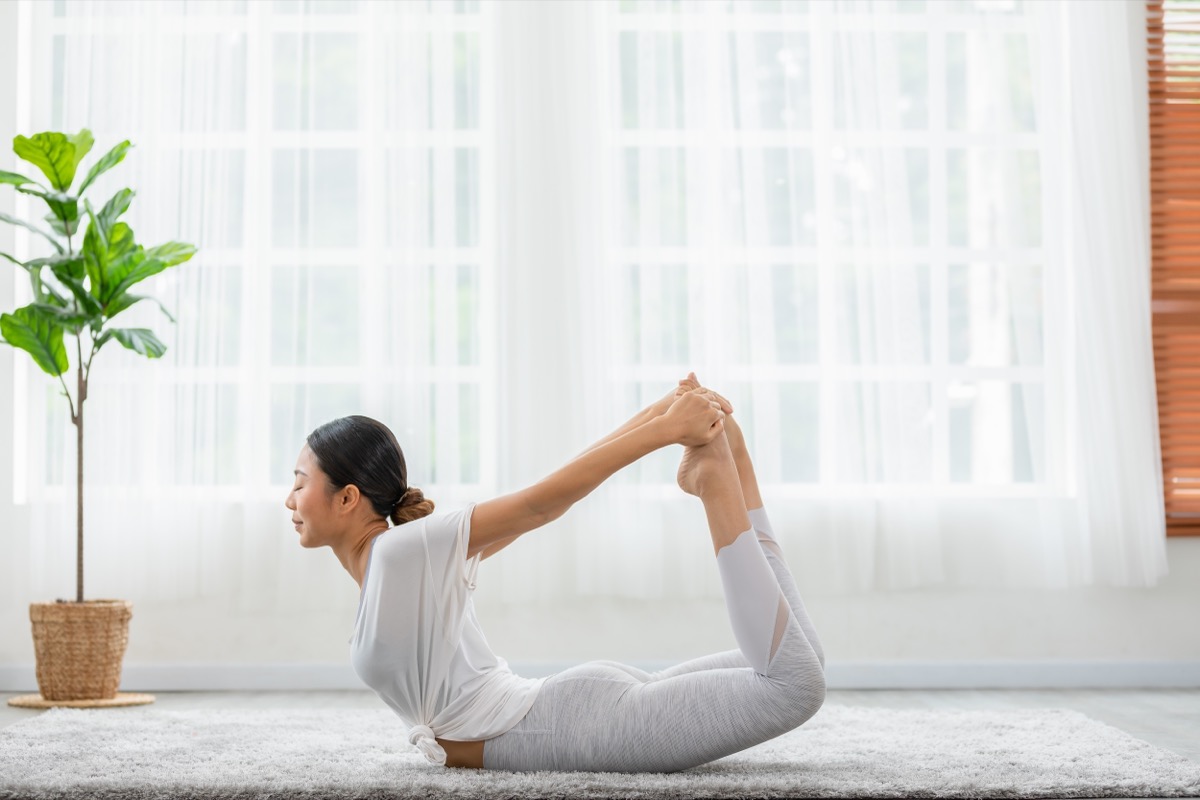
[348, 497]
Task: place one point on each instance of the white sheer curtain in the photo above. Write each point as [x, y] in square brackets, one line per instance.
[894, 234]
[877, 227]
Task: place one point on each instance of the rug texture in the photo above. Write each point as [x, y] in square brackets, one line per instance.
[844, 751]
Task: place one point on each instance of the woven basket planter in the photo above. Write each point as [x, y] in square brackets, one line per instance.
[80, 647]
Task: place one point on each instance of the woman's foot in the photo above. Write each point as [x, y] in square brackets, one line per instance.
[737, 445]
[710, 473]
[700, 466]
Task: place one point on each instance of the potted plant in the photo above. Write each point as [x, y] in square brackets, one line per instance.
[77, 294]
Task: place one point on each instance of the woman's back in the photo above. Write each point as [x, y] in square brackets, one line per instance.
[417, 642]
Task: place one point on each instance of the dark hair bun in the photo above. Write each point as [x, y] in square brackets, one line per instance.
[412, 506]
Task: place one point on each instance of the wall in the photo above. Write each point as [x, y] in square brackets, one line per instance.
[1082, 637]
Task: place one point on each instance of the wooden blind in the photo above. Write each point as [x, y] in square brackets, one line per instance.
[1173, 38]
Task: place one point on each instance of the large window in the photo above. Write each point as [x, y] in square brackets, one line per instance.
[842, 205]
[341, 265]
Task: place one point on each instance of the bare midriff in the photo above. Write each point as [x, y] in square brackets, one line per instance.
[463, 754]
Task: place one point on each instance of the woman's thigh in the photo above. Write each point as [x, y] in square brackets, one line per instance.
[531, 745]
[599, 717]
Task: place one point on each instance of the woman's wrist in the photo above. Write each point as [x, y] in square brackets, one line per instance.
[658, 431]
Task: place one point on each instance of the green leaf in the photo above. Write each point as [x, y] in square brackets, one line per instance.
[69, 318]
[63, 229]
[131, 269]
[24, 224]
[139, 340]
[37, 334]
[117, 205]
[107, 254]
[68, 263]
[52, 153]
[124, 301]
[85, 298]
[63, 206]
[44, 292]
[95, 252]
[172, 253]
[14, 178]
[83, 142]
[120, 241]
[110, 160]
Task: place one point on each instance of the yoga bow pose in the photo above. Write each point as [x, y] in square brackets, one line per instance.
[418, 644]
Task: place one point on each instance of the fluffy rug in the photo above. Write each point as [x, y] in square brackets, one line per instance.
[843, 751]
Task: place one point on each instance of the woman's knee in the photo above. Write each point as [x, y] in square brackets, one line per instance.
[800, 678]
[802, 699]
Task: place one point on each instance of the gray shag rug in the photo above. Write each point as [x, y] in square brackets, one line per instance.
[843, 751]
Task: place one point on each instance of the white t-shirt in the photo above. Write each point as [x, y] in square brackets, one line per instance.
[417, 642]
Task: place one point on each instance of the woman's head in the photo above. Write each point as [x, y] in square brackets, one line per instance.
[359, 467]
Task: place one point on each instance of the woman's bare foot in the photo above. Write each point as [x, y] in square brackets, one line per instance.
[706, 463]
[709, 473]
[737, 445]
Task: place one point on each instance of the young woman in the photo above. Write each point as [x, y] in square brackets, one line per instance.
[418, 644]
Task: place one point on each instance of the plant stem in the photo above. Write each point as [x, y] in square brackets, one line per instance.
[67, 394]
[82, 393]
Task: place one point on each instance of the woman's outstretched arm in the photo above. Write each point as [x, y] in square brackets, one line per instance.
[658, 408]
[693, 419]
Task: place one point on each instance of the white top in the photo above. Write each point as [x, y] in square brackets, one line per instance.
[417, 642]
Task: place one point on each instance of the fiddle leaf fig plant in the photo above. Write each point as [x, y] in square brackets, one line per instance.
[77, 293]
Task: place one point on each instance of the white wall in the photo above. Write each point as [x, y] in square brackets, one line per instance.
[1090, 637]
[1095, 637]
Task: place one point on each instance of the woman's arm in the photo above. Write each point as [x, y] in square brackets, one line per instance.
[641, 418]
[496, 547]
[534, 519]
[515, 506]
[659, 407]
[693, 419]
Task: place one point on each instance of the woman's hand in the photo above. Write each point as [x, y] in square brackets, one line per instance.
[694, 419]
[690, 383]
[660, 406]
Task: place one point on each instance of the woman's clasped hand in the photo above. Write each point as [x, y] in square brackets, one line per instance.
[695, 418]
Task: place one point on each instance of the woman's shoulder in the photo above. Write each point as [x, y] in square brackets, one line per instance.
[442, 521]
[449, 521]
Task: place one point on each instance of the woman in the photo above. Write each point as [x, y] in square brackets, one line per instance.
[418, 644]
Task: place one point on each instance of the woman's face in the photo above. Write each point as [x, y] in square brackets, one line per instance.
[310, 502]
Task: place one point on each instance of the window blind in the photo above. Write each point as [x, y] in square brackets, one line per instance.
[1173, 39]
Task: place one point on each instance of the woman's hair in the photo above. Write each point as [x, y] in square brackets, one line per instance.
[362, 451]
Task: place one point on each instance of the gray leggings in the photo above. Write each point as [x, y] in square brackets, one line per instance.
[604, 716]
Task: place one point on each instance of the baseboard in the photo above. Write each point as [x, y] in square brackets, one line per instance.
[1060, 674]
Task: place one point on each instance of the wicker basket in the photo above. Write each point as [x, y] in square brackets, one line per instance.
[80, 647]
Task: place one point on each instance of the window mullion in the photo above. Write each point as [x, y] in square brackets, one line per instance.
[822, 94]
[939, 298]
[255, 379]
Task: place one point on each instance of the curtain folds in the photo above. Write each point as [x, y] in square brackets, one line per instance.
[909, 241]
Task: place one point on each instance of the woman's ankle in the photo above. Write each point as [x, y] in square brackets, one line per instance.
[748, 481]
